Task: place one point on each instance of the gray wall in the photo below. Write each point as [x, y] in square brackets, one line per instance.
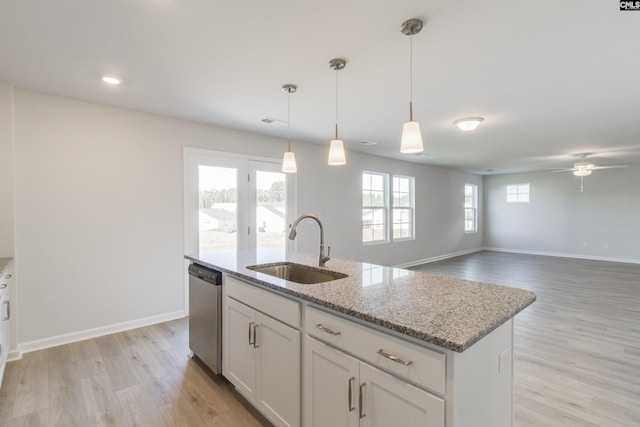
[560, 219]
[99, 211]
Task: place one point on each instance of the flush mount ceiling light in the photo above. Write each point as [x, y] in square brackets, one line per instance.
[468, 123]
[289, 159]
[336, 148]
[111, 80]
[411, 135]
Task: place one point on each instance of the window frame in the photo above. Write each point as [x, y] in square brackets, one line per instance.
[473, 208]
[384, 208]
[411, 208]
[518, 193]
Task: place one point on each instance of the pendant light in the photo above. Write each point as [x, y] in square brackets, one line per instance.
[289, 158]
[336, 148]
[411, 136]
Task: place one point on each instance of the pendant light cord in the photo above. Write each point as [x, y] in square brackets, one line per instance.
[337, 103]
[411, 77]
[289, 119]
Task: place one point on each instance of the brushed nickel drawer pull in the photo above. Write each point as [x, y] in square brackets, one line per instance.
[255, 336]
[3, 285]
[351, 407]
[252, 342]
[361, 409]
[327, 330]
[396, 359]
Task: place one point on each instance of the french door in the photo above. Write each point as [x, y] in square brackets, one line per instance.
[234, 203]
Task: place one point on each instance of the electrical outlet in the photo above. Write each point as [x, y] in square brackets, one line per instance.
[585, 244]
[606, 246]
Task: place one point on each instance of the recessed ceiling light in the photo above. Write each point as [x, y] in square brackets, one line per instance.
[468, 123]
[111, 80]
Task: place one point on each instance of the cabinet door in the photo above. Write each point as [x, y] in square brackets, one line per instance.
[330, 386]
[390, 401]
[241, 363]
[278, 394]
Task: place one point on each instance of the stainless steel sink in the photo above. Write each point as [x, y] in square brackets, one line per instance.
[298, 273]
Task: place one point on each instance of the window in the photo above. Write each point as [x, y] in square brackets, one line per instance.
[402, 207]
[376, 199]
[470, 208]
[518, 193]
[374, 207]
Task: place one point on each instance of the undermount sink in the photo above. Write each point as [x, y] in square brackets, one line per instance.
[298, 273]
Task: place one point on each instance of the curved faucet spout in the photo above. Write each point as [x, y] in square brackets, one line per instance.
[293, 233]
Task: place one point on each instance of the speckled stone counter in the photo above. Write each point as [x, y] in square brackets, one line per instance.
[450, 313]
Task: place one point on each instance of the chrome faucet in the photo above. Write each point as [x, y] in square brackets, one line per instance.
[292, 235]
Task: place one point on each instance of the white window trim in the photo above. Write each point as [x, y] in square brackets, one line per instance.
[385, 208]
[475, 210]
[411, 208]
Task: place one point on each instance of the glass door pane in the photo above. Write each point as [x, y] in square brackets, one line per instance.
[218, 208]
[271, 209]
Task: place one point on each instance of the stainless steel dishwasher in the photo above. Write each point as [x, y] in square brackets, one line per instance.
[205, 316]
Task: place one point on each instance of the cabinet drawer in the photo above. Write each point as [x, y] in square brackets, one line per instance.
[423, 366]
[276, 306]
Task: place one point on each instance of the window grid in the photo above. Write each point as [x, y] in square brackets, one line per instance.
[403, 202]
[374, 207]
[470, 208]
[518, 193]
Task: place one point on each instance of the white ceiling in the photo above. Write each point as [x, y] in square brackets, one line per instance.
[552, 78]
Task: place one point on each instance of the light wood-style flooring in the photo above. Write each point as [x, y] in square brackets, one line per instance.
[577, 348]
[141, 377]
[577, 359]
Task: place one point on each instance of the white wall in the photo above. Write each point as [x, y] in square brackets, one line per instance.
[99, 211]
[560, 219]
[6, 171]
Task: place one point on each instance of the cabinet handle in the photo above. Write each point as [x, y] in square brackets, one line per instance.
[3, 285]
[327, 330]
[351, 407]
[255, 336]
[7, 303]
[8, 276]
[396, 359]
[361, 408]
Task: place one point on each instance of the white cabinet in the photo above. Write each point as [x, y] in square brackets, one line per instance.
[261, 354]
[342, 391]
[5, 315]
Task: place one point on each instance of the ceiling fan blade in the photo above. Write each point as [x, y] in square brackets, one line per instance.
[610, 167]
[560, 170]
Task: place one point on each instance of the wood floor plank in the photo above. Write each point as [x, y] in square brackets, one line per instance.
[139, 408]
[32, 388]
[8, 391]
[103, 406]
[66, 399]
[34, 419]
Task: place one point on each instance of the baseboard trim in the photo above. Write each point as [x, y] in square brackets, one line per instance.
[563, 255]
[437, 258]
[41, 344]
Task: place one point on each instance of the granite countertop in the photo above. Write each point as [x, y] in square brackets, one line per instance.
[451, 313]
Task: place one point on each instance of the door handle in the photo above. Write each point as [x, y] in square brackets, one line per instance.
[254, 337]
[350, 384]
[361, 408]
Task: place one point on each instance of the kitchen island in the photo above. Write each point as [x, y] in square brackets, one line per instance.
[429, 349]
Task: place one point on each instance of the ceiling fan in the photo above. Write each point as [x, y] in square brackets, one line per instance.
[584, 168]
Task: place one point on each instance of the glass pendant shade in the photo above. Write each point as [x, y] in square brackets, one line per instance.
[411, 138]
[337, 156]
[289, 162]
